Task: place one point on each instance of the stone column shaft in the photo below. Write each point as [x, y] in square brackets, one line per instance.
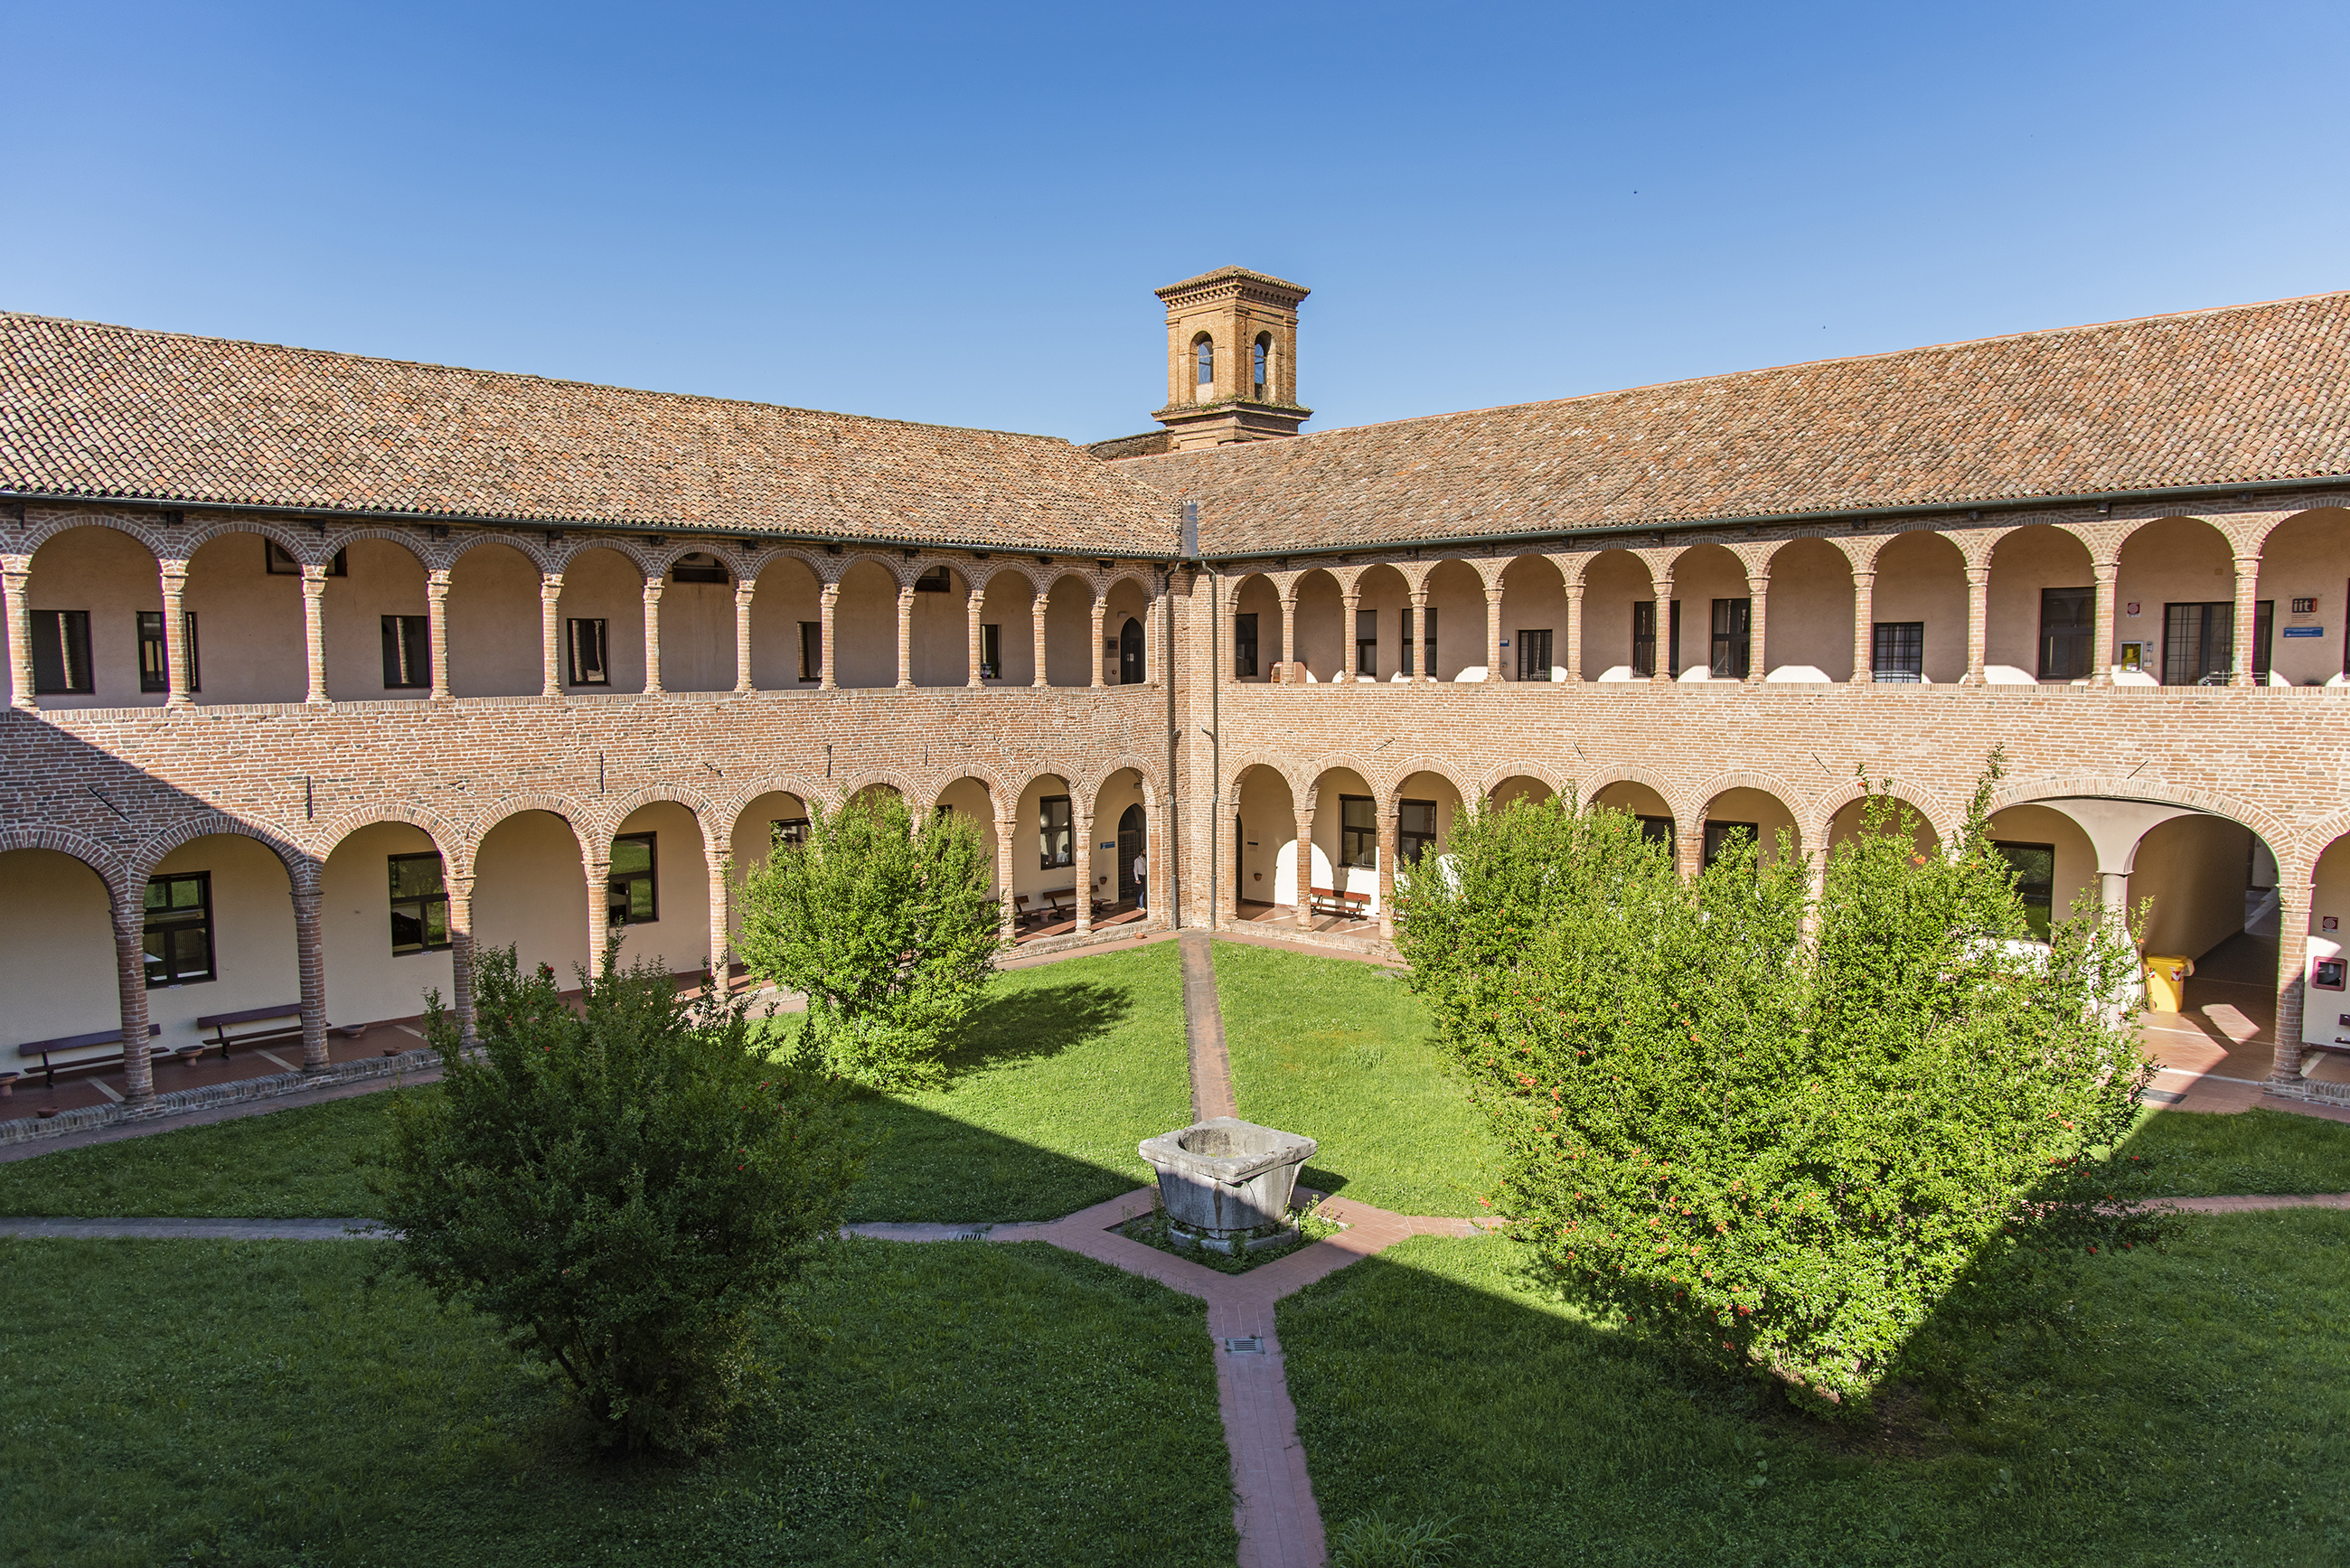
[599, 909]
[972, 610]
[1665, 673]
[722, 935]
[1036, 634]
[1758, 604]
[1863, 629]
[905, 637]
[550, 634]
[174, 577]
[828, 599]
[313, 630]
[653, 687]
[1574, 631]
[1493, 634]
[1418, 641]
[744, 592]
[2101, 635]
[1390, 821]
[1011, 911]
[1349, 622]
[1288, 634]
[2295, 895]
[436, 631]
[1099, 609]
[461, 954]
[1978, 621]
[1082, 827]
[2248, 589]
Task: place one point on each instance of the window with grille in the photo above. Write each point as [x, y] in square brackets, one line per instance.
[61, 653]
[633, 887]
[586, 639]
[1899, 652]
[1534, 654]
[179, 928]
[1358, 832]
[406, 653]
[2198, 643]
[420, 904]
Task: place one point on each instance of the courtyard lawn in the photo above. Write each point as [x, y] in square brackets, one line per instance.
[1341, 1052]
[2196, 1417]
[2197, 1155]
[1065, 1069]
[250, 1403]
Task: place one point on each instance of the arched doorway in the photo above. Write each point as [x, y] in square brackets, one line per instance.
[1131, 847]
[1130, 653]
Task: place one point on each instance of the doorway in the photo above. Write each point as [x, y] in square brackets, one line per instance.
[1131, 842]
[1130, 653]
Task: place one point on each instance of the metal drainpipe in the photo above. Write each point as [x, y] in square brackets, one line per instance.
[1215, 757]
[1173, 816]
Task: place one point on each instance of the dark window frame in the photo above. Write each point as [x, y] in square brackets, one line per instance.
[991, 650]
[1643, 614]
[811, 652]
[155, 652]
[1898, 659]
[1132, 669]
[620, 887]
[1358, 841]
[2075, 638]
[60, 652]
[1534, 641]
[420, 907]
[1659, 830]
[1412, 842]
[197, 916]
[937, 580]
[2184, 650]
[1730, 654]
[787, 832]
[403, 637]
[1244, 646]
[1716, 839]
[1366, 642]
[2039, 898]
[1049, 858]
[276, 561]
[577, 668]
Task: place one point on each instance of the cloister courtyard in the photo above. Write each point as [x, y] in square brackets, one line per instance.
[1030, 1389]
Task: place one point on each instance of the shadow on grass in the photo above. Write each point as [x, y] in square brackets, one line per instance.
[1036, 1023]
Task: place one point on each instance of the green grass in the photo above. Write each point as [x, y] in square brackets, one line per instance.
[1341, 1052]
[1065, 1069]
[2195, 1415]
[2197, 1155]
[265, 1403]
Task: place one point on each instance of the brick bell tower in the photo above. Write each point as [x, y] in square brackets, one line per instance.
[1232, 359]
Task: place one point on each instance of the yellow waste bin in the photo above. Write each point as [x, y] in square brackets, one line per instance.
[2166, 984]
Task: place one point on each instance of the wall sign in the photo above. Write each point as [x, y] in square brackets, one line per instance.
[2305, 632]
[2130, 608]
[2329, 922]
[2304, 607]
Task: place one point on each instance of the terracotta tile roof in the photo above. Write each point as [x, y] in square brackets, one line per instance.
[1240, 274]
[2213, 397]
[110, 412]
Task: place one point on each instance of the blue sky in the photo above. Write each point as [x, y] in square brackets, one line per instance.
[958, 214]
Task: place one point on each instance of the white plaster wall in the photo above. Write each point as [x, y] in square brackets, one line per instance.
[1122, 790]
[697, 637]
[110, 574]
[530, 893]
[1029, 876]
[1268, 833]
[1612, 585]
[2077, 859]
[1383, 596]
[1457, 595]
[1534, 597]
[1809, 605]
[2309, 557]
[2194, 868]
[253, 937]
[1008, 606]
[1636, 798]
[1327, 817]
[384, 578]
[865, 627]
[2322, 1011]
[788, 595]
[57, 933]
[1069, 634]
[2021, 565]
[365, 982]
[250, 645]
[1762, 809]
[2170, 560]
[680, 940]
[493, 624]
[942, 634]
[969, 799]
[1701, 575]
[1258, 599]
[1321, 626]
[606, 585]
[1921, 577]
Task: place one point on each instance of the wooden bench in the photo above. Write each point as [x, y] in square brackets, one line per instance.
[220, 1024]
[47, 1049]
[1060, 898]
[1348, 906]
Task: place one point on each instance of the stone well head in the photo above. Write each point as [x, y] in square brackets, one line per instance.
[1225, 1177]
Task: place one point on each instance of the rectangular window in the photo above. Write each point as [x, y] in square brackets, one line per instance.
[1056, 844]
[1405, 664]
[1534, 654]
[2034, 866]
[1243, 646]
[155, 653]
[1899, 656]
[634, 889]
[406, 653]
[585, 639]
[1366, 642]
[787, 832]
[420, 904]
[1656, 830]
[1415, 830]
[811, 652]
[1358, 832]
[1733, 638]
[991, 652]
[2198, 643]
[1719, 836]
[1643, 639]
[2066, 632]
[180, 929]
[278, 564]
[61, 653]
[2264, 629]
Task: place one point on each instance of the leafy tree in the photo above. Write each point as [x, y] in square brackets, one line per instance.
[625, 1189]
[889, 930]
[1783, 1150]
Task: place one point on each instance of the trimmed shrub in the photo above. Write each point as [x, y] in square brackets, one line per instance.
[889, 930]
[1783, 1149]
[625, 1190]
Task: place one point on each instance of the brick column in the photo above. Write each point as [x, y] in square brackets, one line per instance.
[1574, 631]
[828, 597]
[1349, 621]
[1815, 883]
[1978, 622]
[2101, 635]
[654, 586]
[1758, 603]
[1420, 670]
[1159, 885]
[1037, 631]
[1154, 631]
[461, 955]
[314, 629]
[722, 936]
[1099, 609]
[972, 609]
[1493, 634]
[1863, 629]
[1288, 634]
[175, 576]
[550, 634]
[1665, 673]
[1225, 909]
[1689, 846]
[1082, 827]
[1389, 815]
[2294, 896]
[1305, 869]
[130, 980]
[1011, 911]
[2248, 588]
[310, 958]
[17, 579]
[905, 637]
[600, 908]
[744, 592]
[436, 630]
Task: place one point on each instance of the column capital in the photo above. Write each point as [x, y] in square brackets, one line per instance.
[828, 592]
[1977, 577]
[744, 590]
[436, 581]
[314, 580]
[172, 571]
[2248, 565]
[2103, 571]
[15, 567]
[550, 585]
[653, 586]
